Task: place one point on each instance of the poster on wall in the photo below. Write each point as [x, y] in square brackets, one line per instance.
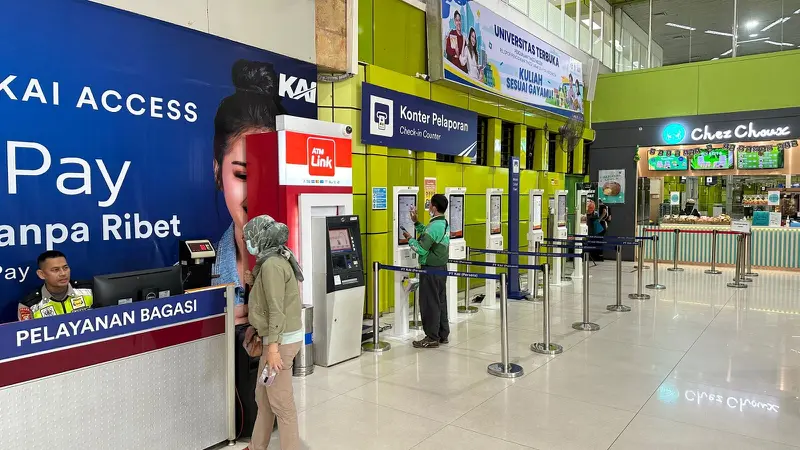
[611, 186]
[481, 49]
[430, 190]
[135, 149]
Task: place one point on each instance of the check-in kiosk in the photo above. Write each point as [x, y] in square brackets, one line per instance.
[535, 234]
[404, 200]
[339, 289]
[458, 244]
[494, 241]
[580, 226]
[560, 232]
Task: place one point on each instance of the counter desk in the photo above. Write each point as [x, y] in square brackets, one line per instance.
[772, 248]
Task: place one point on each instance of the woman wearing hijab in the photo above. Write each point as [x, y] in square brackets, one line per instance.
[275, 309]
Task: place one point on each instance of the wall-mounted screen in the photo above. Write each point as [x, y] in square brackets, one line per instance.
[712, 159]
[562, 210]
[537, 213]
[456, 209]
[759, 156]
[340, 240]
[662, 159]
[496, 213]
[405, 204]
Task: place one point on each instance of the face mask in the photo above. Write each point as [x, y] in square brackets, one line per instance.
[250, 248]
[431, 213]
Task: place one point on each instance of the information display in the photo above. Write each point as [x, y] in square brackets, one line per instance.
[759, 157]
[456, 220]
[496, 209]
[405, 204]
[537, 212]
[339, 240]
[660, 159]
[562, 210]
[712, 159]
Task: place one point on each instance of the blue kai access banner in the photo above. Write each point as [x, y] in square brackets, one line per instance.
[108, 135]
[398, 120]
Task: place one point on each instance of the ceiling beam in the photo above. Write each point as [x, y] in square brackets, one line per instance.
[624, 2]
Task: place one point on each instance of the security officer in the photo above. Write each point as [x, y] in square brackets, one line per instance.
[59, 295]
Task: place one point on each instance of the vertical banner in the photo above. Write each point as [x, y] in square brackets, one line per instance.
[513, 227]
[611, 186]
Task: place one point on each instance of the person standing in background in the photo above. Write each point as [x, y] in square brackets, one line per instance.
[433, 248]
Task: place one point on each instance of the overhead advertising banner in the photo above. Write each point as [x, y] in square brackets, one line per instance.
[482, 49]
[398, 120]
[123, 137]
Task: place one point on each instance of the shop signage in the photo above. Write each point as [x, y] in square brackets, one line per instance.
[482, 49]
[119, 156]
[684, 132]
[316, 160]
[398, 120]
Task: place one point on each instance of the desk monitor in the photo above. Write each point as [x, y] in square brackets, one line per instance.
[122, 288]
[456, 210]
[405, 203]
[496, 213]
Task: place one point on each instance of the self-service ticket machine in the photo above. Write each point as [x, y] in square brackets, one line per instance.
[559, 232]
[458, 245]
[404, 199]
[535, 234]
[338, 269]
[494, 241]
[580, 226]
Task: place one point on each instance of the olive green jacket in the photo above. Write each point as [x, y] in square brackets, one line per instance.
[275, 305]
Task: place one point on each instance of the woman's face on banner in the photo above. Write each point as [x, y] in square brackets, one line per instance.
[473, 39]
[234, 181]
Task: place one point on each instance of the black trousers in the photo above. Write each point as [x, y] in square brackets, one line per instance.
[433, 304]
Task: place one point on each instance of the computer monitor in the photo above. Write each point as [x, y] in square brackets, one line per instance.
[122, 288]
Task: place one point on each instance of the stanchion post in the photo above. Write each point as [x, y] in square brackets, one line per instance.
[743, 257]
[655, 285]
[749, 258]
[376, 346]
[467, 309]
[675, 251]
[546, 347]
[713, 270]
[737, 278]
[585, 325]
[640, 263]
[619, 307]
[413, 324]
[537, 248]
[504, 369]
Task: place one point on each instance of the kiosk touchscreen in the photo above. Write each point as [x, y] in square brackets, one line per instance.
[560, 232]
[494, 241]
[535, 235]
[580, 226]
[458, 245]
[404, 200]
[339, 289]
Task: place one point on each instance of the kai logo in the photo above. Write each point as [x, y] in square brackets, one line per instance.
[297, 88]
[321, 157]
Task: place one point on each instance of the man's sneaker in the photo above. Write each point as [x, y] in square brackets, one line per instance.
[426, 342]
[444, 341]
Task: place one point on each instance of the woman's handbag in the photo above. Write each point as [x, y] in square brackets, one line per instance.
[252, 342]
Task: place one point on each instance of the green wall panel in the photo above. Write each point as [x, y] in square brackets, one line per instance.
[399, 37]
[645, 94]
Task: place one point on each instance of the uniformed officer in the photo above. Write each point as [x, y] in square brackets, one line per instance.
[58, 295]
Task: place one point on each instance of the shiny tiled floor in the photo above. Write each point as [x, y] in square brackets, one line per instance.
[699, 366]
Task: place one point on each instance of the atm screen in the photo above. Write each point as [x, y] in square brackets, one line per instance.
[340, 240]
[456, 209]
[405, 203]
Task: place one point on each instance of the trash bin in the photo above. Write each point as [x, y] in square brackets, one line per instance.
[304, 361]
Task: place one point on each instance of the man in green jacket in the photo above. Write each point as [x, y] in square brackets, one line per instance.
[433, 248]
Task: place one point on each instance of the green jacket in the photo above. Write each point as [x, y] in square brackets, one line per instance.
[433, 245]
[275, 306]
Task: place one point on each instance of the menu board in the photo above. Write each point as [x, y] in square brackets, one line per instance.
[661, 159]
[712, 159]
[495, 210]
[759, 157]
[456, 210]
[405, 204]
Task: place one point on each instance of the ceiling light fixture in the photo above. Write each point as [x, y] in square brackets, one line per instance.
[727, 53]
[754, 35]
[594, 25]
[753, 40]
[777, 22]
[751, 24]
[779, 44]
[797, 12]
[714, 59]
[718, 33]
[683, 27]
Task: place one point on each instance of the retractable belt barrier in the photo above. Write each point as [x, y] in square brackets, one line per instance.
[676, 246]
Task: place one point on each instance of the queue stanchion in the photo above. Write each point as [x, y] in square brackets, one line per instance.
[467, 309]
[675, 251]
[655, 284]
[640, 265]
[585, 325]
[619, 307]
[713, 270]
[376, 346]
[749, 257]
[505, 368]
[414, 324]
[546, 347]
[737, 278]
[537, 248]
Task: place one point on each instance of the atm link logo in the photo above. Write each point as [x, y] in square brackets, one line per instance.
[382, 116]
[297, 88]
[321, 157]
